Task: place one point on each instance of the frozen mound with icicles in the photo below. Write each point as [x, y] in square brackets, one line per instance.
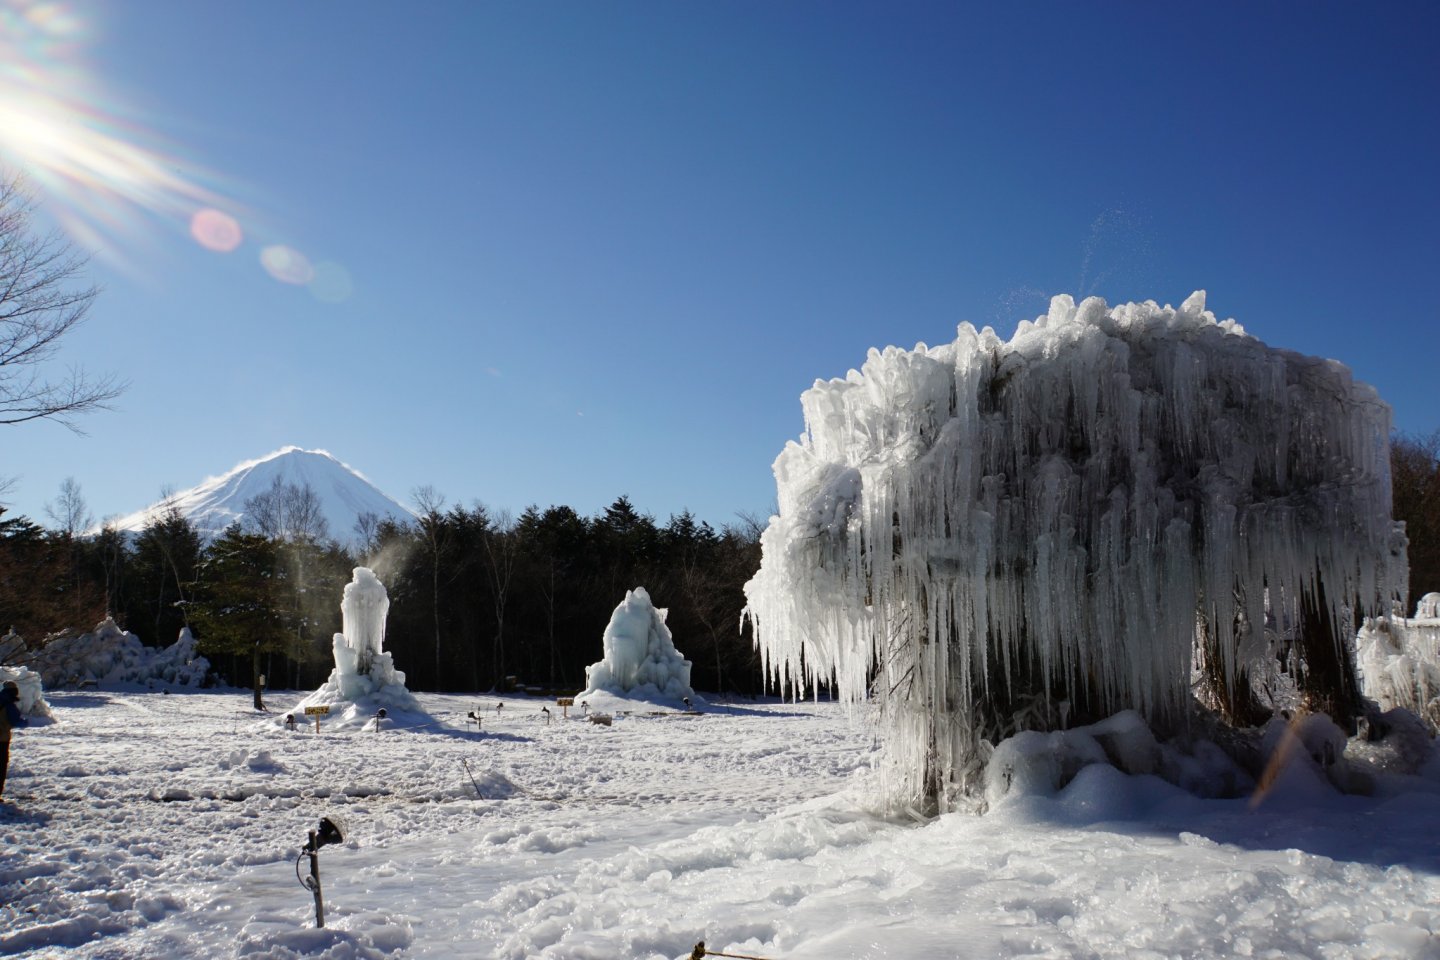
[364, 681]
[989, 534]
[110, 657]
[1399, 661]
[641, 663]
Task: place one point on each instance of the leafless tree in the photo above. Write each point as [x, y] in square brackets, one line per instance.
[42, 298]
[367, 530]
[68, 511]
[430, 502]
[501, 550]
[71, 518]
[289, 512]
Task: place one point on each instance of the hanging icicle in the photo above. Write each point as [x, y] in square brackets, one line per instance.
[989, 535]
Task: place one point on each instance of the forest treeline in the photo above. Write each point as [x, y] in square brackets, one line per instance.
[476, 596]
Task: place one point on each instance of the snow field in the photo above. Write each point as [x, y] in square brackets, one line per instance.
[138, 824]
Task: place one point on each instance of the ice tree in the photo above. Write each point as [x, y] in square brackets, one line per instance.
[1098, 514]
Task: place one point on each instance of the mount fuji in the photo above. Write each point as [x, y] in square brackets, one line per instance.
[216, 503]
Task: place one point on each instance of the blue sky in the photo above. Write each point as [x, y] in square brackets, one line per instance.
[566, 251]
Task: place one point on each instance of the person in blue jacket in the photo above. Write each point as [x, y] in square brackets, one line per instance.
[9, 717]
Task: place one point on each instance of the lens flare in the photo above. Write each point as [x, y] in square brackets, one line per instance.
[331, 283]
[105, 177]
[216, 230]
[287, 265]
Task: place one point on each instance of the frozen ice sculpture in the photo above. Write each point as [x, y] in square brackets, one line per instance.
[995, 535]
[364, 676]
[641, 661]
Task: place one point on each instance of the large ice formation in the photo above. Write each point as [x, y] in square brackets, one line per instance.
[641, 662]
[111, 657]
[991, 535]
[364, 679]
[1399, 661]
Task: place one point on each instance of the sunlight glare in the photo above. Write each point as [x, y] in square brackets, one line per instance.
[102, 176]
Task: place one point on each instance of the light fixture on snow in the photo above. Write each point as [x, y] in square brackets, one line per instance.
[331, 830]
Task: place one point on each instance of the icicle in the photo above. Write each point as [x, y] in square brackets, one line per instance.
[976, 532]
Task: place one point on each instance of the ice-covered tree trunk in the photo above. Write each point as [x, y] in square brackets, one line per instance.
[994, 535]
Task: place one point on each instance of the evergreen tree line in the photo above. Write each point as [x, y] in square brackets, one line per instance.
[476, 597]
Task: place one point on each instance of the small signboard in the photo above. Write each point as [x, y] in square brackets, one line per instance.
[317, 713]
[566, 703]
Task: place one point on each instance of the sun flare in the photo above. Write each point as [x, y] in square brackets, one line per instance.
[104, 176]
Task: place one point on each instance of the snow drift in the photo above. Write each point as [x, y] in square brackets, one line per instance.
[991, 535]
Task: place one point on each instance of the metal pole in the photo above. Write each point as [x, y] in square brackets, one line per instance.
[315, 879]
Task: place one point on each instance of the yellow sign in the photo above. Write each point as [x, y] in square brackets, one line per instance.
[313, 711]
[565, 702]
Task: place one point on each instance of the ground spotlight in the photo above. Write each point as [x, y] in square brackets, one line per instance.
[331, 830]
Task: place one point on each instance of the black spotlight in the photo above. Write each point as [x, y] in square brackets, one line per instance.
[331, 830]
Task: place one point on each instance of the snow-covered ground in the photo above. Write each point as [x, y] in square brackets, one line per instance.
[142, 824]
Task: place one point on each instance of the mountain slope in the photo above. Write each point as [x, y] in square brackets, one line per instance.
[220, 501]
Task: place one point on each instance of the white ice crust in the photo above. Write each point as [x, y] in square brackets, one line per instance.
[1058, 511]
[641, 662]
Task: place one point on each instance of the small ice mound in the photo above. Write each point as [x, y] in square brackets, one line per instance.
[32, 691]
[1395, 742]
[402, 710]
[1032, 764]
[257, 761]
[641, 666]
[346, 936]
[1305, 761]
[493, 785]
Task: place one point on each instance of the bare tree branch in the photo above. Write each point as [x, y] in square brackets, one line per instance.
[43, 297]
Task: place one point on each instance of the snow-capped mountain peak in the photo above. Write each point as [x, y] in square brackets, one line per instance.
[344, 494]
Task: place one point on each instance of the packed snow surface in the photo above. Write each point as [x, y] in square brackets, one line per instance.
[967, 529]
[144, 825]
[641, 662]
[216, 503]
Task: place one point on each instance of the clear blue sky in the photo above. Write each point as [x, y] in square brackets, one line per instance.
[565, 251]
